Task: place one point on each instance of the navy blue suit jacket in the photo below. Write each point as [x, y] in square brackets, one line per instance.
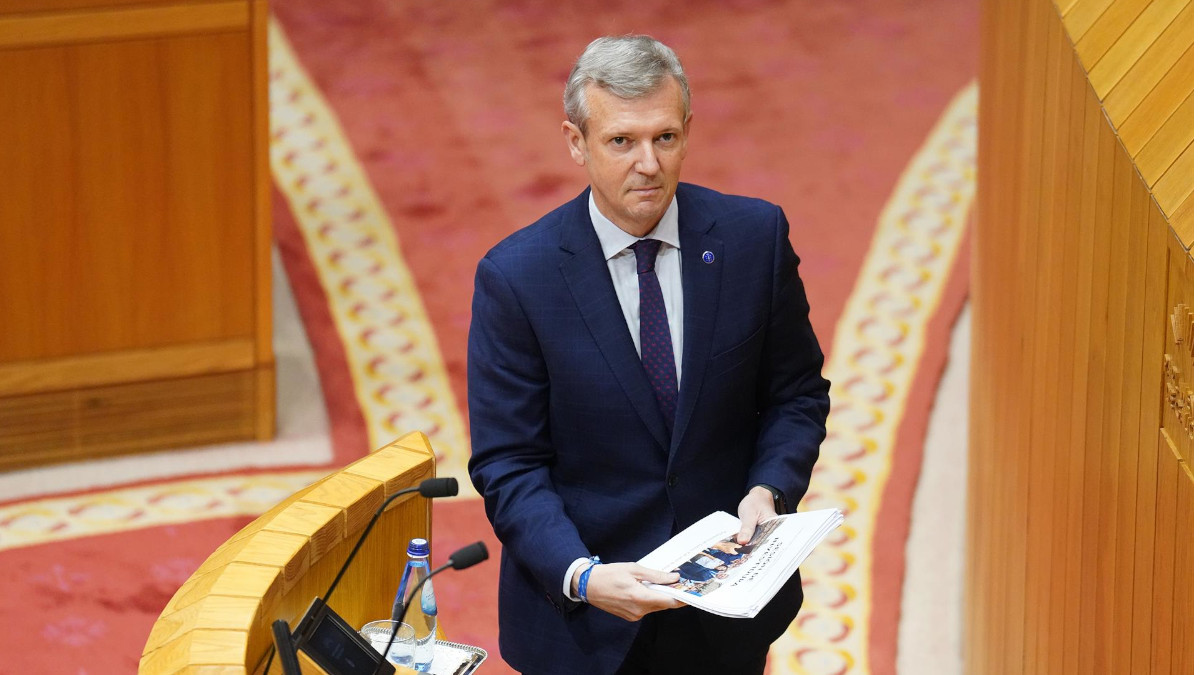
[569, 449]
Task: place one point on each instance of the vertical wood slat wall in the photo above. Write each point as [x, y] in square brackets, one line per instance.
[1080, 550]
[135, 293]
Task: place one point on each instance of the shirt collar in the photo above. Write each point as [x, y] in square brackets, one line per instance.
[613, 239]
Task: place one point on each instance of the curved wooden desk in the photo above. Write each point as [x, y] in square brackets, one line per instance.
[219, 621]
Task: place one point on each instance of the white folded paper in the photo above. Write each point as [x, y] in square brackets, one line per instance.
[720, 576]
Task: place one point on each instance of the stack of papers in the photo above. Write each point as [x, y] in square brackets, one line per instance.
[718, 575]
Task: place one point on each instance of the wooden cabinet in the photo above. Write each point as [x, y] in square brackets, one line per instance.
[134, 227]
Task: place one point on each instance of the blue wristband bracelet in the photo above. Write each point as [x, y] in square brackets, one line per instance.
[583, 578]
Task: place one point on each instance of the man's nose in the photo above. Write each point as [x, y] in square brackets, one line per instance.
[647, 160]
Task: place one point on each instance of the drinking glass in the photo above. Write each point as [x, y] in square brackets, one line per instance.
[401, 653]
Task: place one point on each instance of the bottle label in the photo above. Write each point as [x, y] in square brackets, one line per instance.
[428, 604]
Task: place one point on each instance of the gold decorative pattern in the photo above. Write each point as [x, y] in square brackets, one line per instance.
[49, 520]
[1178, 396]
[873, 359]
[399, 378]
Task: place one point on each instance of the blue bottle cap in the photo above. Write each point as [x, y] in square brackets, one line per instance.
[418, 547]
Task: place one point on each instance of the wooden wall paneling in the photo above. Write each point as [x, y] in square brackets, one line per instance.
[1034, 261]
[1064, 6]
[1045, 335]
[1138, 119]
[1183, 624]
[1015, 501]
[994, 93]
[119, 283]
[37, 6]
[1109, 26]
[39, 29]
[1132, 44]
[1081, 234]
[263, 323]
[1066, 214]
[1188, 346]
[1085, 391]
[202, 358]
[1114, 400]
[1176, 183]
[1004, 322]
[1065, 462]
[23, 157]
[1164, 556]
[1080, 17]
[260, 105]
[1167, 144]
[1100, 212]
[1151, 68]
[1135, 223]
[1183, 221]
[216, 220]
[999, 94]
[1153, 330]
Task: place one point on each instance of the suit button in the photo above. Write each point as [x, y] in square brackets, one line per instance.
[672, 480]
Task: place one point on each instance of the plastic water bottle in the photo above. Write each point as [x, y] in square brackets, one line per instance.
[422, 613]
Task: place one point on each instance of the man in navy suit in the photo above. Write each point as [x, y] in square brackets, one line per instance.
[638, 358]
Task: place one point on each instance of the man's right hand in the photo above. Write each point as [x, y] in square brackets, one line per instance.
[617, 589]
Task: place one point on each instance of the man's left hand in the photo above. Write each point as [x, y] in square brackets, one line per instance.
[757, 506]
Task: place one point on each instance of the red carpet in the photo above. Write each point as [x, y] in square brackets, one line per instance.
[454, 112]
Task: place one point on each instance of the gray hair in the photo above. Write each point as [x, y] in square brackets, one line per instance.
[630, 66]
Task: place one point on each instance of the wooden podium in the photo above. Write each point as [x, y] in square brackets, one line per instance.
[220, 619]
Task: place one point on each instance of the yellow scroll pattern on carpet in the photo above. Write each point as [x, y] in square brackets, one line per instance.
[399, 377]
[877, 347]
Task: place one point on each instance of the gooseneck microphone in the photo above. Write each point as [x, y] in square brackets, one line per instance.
[431, 488]
[465, 557]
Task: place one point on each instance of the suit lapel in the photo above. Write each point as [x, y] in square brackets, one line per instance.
[701, 290]
[587, 277]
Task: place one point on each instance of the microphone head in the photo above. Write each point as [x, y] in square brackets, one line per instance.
[469, 555]
[439, 487]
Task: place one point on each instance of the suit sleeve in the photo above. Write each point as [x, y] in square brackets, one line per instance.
[511, 451]
[793, 396]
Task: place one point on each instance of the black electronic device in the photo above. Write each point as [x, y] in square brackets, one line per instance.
[335, 646]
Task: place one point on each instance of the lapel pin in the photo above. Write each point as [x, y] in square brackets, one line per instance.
[708, 257]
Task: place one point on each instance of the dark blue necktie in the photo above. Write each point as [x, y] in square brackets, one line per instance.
[658, 357]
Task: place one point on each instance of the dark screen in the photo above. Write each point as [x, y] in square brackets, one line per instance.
[338, 652]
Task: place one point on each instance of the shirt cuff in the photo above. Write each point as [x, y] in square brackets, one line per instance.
[579, 562]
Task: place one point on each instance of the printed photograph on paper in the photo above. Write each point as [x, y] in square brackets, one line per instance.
[720, 563]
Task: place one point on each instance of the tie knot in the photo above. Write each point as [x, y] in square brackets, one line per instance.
[646, 251]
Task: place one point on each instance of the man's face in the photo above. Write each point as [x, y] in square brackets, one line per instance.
[633, 152]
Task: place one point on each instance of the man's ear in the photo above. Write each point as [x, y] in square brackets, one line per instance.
[575, 142]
